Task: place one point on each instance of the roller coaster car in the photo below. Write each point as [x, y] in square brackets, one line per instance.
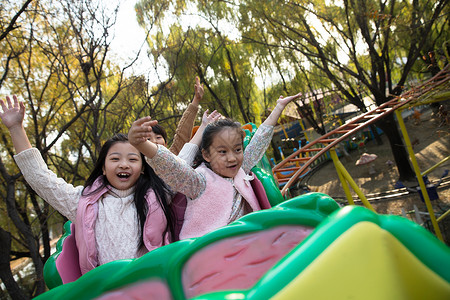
[63, 266]
[295, 248]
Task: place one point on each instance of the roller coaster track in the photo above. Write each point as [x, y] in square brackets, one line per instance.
[392, 194]
[304, 157]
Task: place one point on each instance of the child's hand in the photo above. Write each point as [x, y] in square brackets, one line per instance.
[276, 112]
[199, 92]
[214, 116]
[284, 101]
[13, 114]
[140, 130]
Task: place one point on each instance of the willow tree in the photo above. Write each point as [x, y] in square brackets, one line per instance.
[58, 65]
[192, 42]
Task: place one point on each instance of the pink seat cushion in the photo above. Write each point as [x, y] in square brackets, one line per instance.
[239, 262]
[178, 207]
[67, 262]
[260, 193]
[149, 290]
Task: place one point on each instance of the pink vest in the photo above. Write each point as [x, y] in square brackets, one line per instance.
[213, 208]
[87, 216]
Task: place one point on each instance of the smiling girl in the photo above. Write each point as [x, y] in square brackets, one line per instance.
[121, 211]
[218, 190]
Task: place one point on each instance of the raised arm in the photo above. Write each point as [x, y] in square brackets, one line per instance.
[262, 137]
[184, 129]
[139, 134]
[173, 170]
[56, 191]
[278, 109]
[12, 116]
[206, 119]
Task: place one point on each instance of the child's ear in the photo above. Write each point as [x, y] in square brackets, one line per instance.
[206, 155]
[104, 172]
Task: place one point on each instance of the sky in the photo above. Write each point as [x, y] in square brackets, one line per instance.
[128, 36]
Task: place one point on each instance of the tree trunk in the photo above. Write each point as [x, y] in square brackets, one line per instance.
[401, 156]
[29, 239]
[376, 136]
[42, 217]
[276, 154]
[5, 270]
[217, 100]
[234, 83]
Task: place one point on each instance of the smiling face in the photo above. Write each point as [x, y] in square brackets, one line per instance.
[158, 135]
[157, 139]
[226, 152]
[123, 165]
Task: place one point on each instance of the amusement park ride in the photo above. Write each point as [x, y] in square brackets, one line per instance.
[420, 95]
[304, 247]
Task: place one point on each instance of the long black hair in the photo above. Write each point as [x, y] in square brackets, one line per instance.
[147, 180]
[211, 130]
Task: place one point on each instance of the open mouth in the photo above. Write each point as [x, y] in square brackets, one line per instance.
[123, 175]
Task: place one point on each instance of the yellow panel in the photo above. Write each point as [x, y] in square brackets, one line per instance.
[366, 262]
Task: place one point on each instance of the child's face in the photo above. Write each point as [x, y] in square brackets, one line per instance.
[123, 165]
[157, 139]
[225, 155]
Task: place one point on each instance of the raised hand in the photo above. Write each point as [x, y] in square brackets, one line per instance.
[206, 119]
[214, 116]
[140, 130]
[199, 92]
[278, 109]
[284, 101]
[13, 113]
[12, 116]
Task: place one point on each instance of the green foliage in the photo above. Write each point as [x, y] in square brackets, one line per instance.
[56, 62]
[206, 50]
[246, 54]
[362, 48]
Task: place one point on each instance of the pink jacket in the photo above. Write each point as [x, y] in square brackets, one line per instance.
[213, 208]
[87, 216]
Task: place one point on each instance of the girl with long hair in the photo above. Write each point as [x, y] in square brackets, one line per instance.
[121, 212]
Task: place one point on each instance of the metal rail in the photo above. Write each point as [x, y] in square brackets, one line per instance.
[356, 124]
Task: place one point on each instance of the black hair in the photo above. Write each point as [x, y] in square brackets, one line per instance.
[158, 129]
[147, 180]
[211, 130]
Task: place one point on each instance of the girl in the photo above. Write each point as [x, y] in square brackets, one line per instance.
[122, 210]
[218, 190]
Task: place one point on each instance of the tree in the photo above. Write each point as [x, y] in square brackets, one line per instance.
[57, 62]
[358, 45]
[367, 43]
[6, 27]
[222, 64]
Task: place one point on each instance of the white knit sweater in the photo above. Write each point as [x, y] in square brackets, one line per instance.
[116, 231]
